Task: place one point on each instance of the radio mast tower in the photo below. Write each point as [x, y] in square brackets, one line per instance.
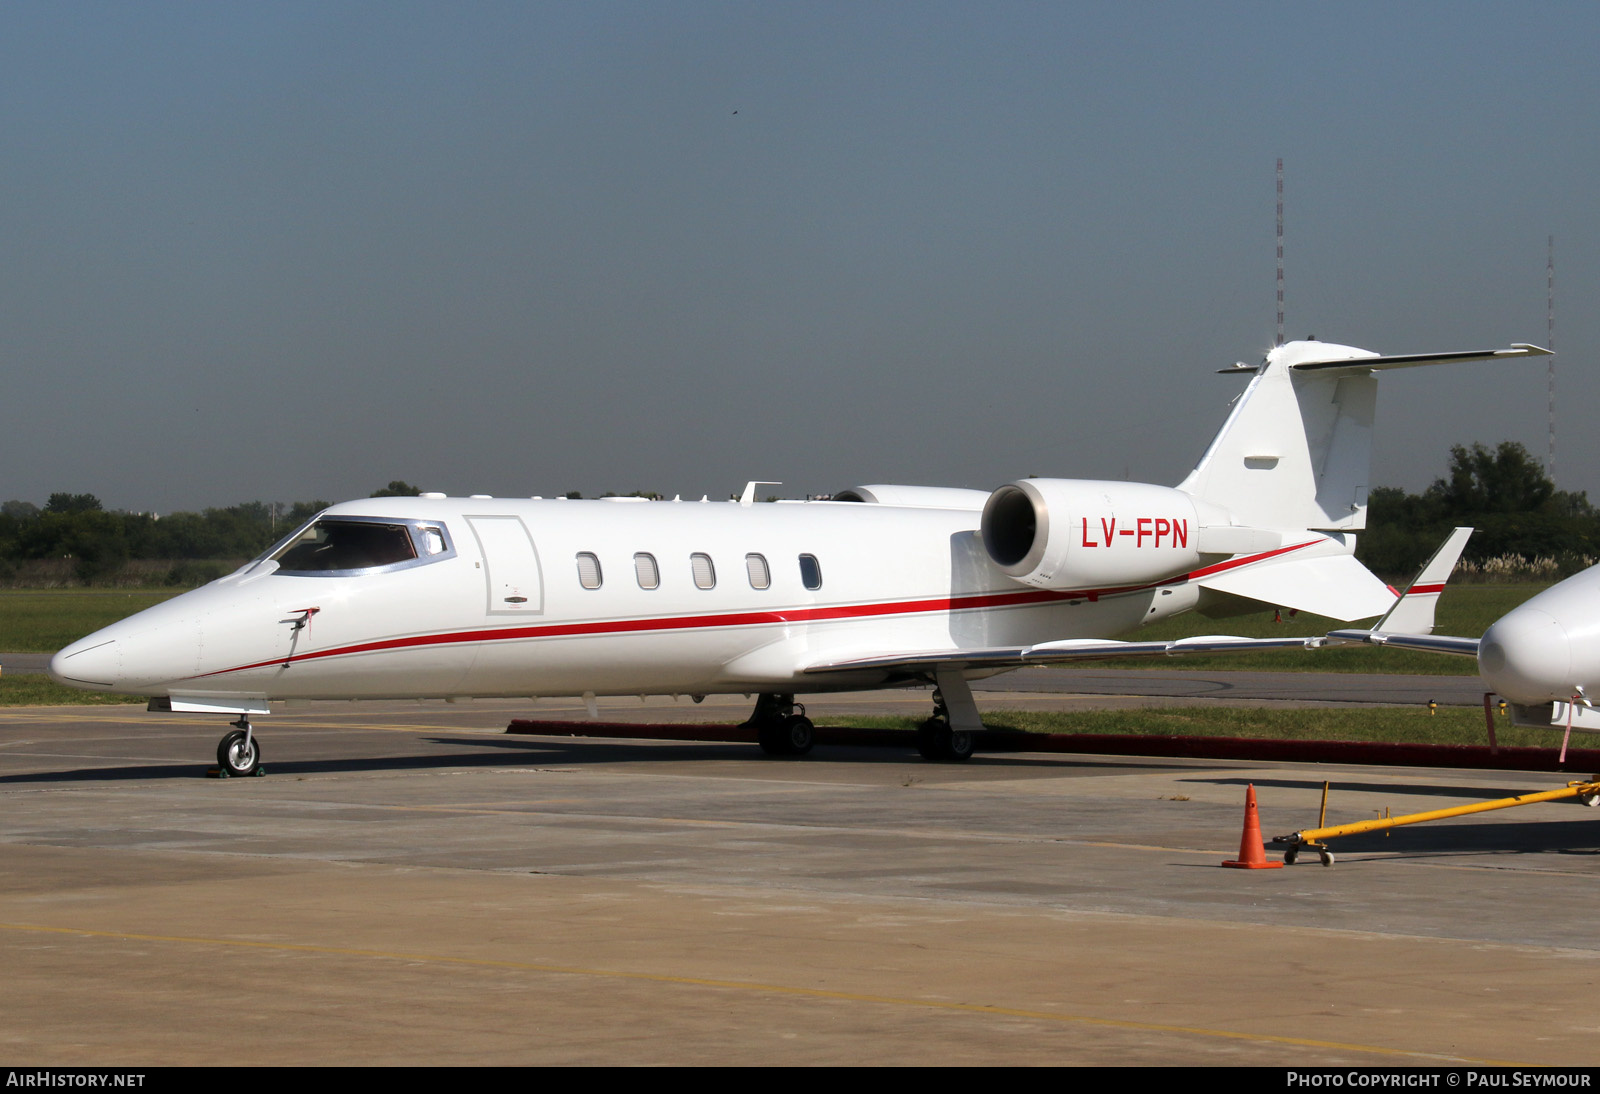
[1550, 344]
[1279, 342]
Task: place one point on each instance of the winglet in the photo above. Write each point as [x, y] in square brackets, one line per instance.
[1413, 611]
[1408, 625]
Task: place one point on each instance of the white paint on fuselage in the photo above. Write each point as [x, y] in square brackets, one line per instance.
[1548, 648]
[889, 575]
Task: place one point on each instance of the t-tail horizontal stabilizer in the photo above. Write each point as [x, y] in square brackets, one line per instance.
[1295, 452]
[1412, 360]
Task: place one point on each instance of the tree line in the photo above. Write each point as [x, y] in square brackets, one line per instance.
[1525, 525]
[98, 545]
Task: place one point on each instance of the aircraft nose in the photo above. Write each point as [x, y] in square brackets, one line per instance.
[94, 660]
[1526, 656]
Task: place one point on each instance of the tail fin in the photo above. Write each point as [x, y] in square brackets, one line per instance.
[1296, 450]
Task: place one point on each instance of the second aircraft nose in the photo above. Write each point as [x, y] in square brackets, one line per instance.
[1526, 656]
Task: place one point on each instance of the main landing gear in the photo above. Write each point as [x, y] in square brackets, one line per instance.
[936, 740]
[951, 733]
[781, 726]
[239, 753]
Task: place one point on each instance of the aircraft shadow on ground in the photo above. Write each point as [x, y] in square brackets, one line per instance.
[1532, 836]
[1538, 830]
[494, 752]
[1512, 784]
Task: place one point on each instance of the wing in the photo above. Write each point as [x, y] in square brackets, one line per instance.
[1056, 653]
[1427, 643]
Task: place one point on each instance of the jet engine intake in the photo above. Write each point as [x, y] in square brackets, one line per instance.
[1080, 533]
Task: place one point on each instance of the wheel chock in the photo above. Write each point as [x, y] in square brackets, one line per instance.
[1252, 854]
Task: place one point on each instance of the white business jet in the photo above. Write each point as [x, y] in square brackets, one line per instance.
[1542, 657]
[438, 597]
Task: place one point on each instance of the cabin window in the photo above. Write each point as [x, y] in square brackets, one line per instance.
[644, 568]
[705, 574]
[588, 570]
[756, 567]
[810, 572]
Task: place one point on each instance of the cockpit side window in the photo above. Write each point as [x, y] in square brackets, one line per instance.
[334, 545]
[433, 542]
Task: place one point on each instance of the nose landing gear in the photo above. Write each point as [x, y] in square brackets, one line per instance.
[239, 753]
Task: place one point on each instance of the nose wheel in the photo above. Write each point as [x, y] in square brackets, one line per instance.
[239, 753]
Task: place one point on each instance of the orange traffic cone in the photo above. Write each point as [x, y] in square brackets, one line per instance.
[1252, 855]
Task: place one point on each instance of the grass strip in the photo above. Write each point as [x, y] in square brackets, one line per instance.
[35, 689]
[44, 620]
[1400, 725]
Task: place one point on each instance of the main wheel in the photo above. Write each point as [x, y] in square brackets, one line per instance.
[235, 757]
[928, 739]
[937, 741]
[958, 746]
[770, 736]
[799, 734]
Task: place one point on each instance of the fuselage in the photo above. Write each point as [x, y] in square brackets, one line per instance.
[514, 597]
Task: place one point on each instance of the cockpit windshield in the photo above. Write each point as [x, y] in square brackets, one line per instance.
[343, 545]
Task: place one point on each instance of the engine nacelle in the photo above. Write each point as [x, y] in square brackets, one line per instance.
[1079, 533]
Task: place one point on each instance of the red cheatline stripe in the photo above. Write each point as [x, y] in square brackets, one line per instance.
[748, 619]
[1233, 564]
[1420, 590]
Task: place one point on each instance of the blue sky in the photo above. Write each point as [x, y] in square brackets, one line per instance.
[282, 251]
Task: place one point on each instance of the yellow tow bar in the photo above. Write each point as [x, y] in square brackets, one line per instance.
[1311, 838]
